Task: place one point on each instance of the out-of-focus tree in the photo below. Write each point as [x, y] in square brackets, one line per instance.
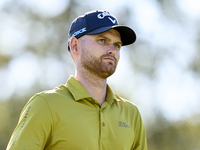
[146, 58]
[182, 135]
[46, 41]
[195, 64]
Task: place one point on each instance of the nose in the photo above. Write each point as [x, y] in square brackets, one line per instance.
[111, 50]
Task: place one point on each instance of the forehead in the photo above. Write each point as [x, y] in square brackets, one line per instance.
[111, 34]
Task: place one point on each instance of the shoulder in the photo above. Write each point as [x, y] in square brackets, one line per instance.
[49, 97]
[127, 104]
[57, 93]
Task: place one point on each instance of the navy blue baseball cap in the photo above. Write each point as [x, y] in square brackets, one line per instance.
[99, 21]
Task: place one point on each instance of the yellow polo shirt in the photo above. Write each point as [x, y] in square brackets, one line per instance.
[68, 118]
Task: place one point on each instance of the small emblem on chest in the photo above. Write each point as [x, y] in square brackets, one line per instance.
[123, 124]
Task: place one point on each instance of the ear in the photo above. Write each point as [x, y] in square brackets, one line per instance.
[74, 46]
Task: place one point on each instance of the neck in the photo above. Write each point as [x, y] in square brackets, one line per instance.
[95, 85]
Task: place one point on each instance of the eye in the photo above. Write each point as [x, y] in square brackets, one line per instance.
[102, 40]
[118, 46]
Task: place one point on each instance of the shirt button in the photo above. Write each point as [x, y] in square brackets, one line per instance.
[103, 124]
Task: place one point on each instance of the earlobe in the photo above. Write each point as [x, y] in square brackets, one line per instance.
[74, 46]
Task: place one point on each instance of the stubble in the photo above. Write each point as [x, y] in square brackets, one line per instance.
[97, 66]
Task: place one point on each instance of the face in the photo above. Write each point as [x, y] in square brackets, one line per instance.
[100, 53]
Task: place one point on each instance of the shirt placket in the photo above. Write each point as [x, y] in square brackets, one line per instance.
[103, 127]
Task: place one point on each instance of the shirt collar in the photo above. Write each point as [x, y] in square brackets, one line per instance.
[79, 92]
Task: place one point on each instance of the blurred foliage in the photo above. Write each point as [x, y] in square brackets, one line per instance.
[170, 10]
[9, 115]
[181, 135]
[4, 60]
[47, 37]
[195, 64]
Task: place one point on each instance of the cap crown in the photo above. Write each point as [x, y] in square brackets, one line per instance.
[91, 23]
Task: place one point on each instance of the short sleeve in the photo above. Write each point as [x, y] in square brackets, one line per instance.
[140, 142]
[34, 128]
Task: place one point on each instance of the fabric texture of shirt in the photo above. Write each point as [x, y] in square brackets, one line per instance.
[68, 118]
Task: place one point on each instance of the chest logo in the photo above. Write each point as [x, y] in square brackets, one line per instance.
[123, 124]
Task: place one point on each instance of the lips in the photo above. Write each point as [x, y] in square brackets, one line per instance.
[109, 58]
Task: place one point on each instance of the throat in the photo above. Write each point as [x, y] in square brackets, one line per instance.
[95, 86]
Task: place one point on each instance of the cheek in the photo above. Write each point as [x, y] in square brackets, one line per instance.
[117, 55]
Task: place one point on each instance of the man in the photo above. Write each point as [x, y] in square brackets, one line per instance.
[85, 114]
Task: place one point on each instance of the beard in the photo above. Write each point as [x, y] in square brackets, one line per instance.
[97, 66]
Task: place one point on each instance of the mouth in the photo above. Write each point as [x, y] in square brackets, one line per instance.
[110, 58]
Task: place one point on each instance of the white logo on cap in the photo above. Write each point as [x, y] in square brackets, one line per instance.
[104, 14]
[77, 32]
[113, 21]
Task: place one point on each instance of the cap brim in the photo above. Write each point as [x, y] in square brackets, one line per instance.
[128, 36]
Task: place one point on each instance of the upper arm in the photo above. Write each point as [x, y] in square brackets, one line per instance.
[34, 128]
[140, 142]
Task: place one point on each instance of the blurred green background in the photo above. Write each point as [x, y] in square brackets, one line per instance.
[160, 73]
